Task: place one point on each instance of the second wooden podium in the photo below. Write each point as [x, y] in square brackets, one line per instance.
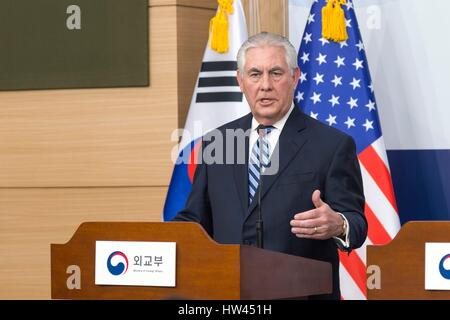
[204, 269]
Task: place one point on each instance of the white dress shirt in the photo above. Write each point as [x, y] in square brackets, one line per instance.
[274, 135]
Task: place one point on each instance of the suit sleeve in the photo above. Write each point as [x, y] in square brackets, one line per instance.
[344, 190]
[197, 207]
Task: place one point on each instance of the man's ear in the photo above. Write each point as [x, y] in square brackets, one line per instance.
[296, 75]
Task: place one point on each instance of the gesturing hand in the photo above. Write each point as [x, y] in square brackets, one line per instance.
[320, 223]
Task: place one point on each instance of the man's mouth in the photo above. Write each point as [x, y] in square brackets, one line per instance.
[266, 101]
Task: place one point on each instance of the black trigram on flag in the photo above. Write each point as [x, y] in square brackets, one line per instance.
[218, 83]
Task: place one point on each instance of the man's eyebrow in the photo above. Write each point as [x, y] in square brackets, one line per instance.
[276, 68]
[254, 69]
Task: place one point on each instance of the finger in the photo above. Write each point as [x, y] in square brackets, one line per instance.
[303, 231]
[306, 215]
[316, 236]
[317, 201]
[308, 223]
[309, 233]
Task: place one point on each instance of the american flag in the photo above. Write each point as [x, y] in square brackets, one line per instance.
[335, 87]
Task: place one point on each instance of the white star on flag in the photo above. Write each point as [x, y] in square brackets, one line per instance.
[331, 120]
[368, 125]
[316, 98]
[321, 58]
[349, 5]
[353, 103]
[307, 37]
[371, 105]
[343, 44]
[318, 78]
[360, 45]
[314, 115]
[339, 61]
[355, 83]
[305, 57]
[358, 64]
[324, 41]
[334, 100]
[303, 77]
[337, 81]
[350, 122]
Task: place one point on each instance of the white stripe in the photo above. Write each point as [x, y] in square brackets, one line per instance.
[253, 183]
[361, 252]
[380, 205]
[385, 213]
[255, 175]
[265, 160]
[254, 159]
[349, 289]
[214, 74]
[217, 89]
[380, 149]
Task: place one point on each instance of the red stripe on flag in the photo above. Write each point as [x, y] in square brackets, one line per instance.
[379, 173]
[376, 233]
[356, 268]
[193, 160]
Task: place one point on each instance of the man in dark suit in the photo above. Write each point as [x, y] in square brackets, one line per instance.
[312, 195]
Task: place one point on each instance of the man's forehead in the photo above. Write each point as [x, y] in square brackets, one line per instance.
[261, 58]
[272, 50]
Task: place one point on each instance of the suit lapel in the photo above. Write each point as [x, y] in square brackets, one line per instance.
[241, 170]
[290, 142]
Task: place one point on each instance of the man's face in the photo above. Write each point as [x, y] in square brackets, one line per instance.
[268, 83]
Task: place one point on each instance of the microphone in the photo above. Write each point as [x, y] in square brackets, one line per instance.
[261, 129]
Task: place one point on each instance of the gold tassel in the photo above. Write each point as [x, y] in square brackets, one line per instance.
[333, 21]
[218, 27]
[327, 13]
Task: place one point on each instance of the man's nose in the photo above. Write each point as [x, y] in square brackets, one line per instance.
[266, 82]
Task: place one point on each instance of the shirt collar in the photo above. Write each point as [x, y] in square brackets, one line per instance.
[277, 125]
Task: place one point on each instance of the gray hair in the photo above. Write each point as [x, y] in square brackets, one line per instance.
[268, 39]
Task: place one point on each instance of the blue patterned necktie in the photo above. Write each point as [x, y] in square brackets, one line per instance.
[255, 163]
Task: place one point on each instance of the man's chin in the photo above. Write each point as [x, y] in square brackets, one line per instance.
[266, 117]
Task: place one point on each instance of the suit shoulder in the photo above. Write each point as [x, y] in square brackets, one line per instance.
[239, 123]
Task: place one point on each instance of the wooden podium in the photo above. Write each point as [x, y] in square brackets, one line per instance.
[402, 262]
[204, 269]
